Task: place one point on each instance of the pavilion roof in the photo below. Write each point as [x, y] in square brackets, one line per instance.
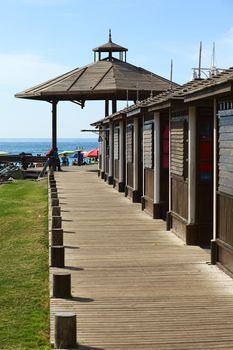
[100, 80]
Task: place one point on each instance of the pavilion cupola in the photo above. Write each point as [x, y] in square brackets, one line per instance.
[109, 48]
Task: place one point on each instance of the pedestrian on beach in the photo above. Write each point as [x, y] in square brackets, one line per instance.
[55, 161]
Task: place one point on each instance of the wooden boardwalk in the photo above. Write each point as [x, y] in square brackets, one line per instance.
[135, 285]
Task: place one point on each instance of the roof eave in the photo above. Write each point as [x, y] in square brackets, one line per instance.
[165, 104]
[209, 92]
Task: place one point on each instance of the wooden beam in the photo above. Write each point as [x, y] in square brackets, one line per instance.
[54, 123]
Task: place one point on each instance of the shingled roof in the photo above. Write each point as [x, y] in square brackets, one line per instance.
[107, 79]
[218, 84]
[195, 89]
[100, 80]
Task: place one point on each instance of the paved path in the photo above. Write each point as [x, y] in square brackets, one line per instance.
[135, 285]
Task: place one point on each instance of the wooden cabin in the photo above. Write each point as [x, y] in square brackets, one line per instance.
[184, 186]
[218, 92]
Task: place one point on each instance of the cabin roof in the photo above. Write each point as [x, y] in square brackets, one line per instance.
[218, 83]
[103, 79]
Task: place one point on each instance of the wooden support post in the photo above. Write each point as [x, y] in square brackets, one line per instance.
[156, 157]
[54, 202]
[106, 108]
[65, 330]
[61, 285]
[54, 124]
[56, 211]
[57, 237]
[114, 106]
[57, 256]
[121, 152]
[135, 154]
[110, 173]
[56, 222]
[192, 165]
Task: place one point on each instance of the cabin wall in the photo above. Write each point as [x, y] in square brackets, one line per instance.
[179, 173]
[148, 165]
[224, 208]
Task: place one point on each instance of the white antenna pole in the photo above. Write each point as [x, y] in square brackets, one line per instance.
[171, 73]
[213, 58]
[199, 65]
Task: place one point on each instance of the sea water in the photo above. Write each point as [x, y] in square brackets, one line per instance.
[41, 146]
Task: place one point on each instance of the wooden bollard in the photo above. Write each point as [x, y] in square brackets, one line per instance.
[57, 256]
[52, 183]
[56, 222]
[65, 330]
[56, 211]
[53, 195]
[62, 285]
[53, 189]
[54, 202]
[57, 236]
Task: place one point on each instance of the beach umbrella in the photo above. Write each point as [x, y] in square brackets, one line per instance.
[93, 153]
[66, 152]
[84, 154]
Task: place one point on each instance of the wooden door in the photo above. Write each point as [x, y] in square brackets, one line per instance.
[204, 176]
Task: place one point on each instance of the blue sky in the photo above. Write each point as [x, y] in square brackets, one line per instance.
[41, 39]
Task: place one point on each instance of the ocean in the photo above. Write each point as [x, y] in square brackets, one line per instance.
[41, 146]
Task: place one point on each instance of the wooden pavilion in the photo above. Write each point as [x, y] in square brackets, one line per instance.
[108, 78]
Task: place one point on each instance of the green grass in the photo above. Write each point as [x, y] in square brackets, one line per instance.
[24, 293]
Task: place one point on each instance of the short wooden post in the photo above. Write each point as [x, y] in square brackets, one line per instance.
[56, 222]
[61, 285]
[65, 330]
[54, 202]
[57, 236]
[56, 211]
[53, 189]
[57, 256]
[53, 195]
[214, 252]
[52, 182]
